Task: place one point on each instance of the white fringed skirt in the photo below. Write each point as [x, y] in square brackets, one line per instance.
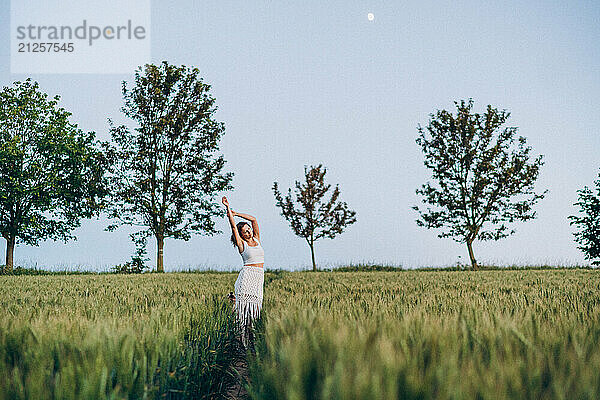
[249, 296]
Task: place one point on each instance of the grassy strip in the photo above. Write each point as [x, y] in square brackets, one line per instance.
[200, 369]
[368, 267]
[430, 335]
[167, 336]
[39, 271]
[347, 268]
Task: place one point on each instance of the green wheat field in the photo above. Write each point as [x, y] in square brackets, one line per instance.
[498, 334]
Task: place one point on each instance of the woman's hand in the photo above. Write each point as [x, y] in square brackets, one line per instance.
[226, 203]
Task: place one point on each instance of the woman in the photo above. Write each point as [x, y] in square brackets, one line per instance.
[249, 284]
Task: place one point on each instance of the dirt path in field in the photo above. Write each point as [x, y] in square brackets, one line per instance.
[239, 369]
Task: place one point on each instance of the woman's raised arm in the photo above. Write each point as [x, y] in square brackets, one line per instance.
[234, 231]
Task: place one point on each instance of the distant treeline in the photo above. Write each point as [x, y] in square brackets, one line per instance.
[164, 176]
[348, 268]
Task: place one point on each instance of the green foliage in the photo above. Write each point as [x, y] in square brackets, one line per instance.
[51, 173]
[166, 173]
[363, 268]
[310, 215]
[113, 337]
[483, 173]
[588, 222]
[137, 265]
[430, 335]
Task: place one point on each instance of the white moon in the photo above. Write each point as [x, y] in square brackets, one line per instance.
[370, 16]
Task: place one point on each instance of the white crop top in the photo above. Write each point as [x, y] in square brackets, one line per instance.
[253, 254]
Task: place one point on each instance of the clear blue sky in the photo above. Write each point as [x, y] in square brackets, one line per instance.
[316, 82]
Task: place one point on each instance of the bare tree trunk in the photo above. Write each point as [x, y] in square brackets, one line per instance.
[471, 255]
[160, 244]
[312, 254]
[10, 251]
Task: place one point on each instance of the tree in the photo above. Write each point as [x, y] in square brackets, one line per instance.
[51, 173]
[484, 175]
[588, 222]
[166, 172]
[314, 218]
